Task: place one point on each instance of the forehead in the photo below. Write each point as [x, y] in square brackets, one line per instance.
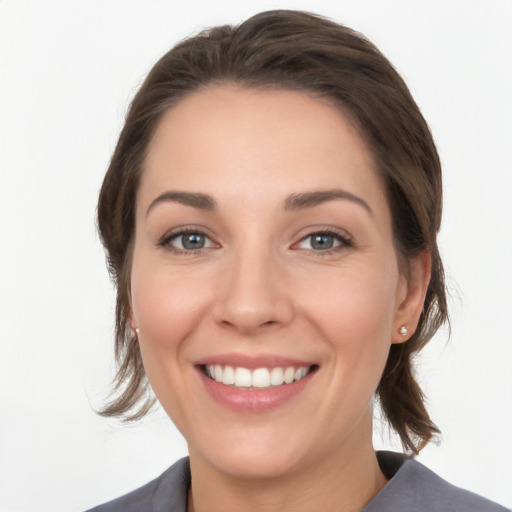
[253, 140]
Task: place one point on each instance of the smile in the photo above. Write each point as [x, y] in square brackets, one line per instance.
[259, 378]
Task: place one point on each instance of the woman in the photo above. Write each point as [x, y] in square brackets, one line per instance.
[270, 218]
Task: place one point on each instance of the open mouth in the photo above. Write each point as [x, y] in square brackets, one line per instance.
[259, 378]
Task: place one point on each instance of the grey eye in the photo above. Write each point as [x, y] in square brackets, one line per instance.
[187, 242]
[321, 242]
[191, 241]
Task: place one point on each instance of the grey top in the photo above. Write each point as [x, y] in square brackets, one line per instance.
[412, 487]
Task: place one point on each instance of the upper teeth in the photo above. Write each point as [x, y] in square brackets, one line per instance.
[259, 378]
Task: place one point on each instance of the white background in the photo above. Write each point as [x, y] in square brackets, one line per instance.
[67, 72]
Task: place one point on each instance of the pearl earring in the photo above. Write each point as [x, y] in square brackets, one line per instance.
[403, 331]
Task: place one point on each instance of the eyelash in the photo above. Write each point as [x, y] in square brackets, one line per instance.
[165, 241]
[344, 241]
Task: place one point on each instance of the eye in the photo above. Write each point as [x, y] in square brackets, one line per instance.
[323, 242]
[319, 242]
[187, 241]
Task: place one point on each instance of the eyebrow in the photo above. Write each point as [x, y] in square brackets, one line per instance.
[310, 199]
[193, 199]
[296, 201]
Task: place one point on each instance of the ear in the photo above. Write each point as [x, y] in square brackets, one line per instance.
[411, 296]
[132, 322]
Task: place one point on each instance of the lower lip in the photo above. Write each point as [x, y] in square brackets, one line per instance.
[253, 399]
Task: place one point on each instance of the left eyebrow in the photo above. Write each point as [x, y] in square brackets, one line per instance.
[309, 199]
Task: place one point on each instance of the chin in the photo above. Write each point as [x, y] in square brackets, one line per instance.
[250, 466]
[254, 455]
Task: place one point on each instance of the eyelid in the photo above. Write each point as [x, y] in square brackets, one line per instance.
[343, 237]
[165, 240]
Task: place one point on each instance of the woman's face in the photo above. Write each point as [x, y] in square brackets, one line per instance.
[264, 257]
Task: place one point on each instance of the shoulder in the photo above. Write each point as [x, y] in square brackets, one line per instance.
[166, 493]
[415, 487]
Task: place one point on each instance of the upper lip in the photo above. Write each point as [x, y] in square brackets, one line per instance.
[252, 362]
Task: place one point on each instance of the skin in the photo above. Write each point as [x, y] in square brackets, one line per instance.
[259, 287]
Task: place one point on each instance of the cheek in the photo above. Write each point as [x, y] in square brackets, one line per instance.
[162, 301]
[165, 307]
[355, 314]
[167, 310]
[360, 336]
[359, 304]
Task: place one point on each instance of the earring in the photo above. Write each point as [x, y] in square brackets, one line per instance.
[403, 331]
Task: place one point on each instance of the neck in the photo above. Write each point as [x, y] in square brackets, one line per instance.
[344, 481]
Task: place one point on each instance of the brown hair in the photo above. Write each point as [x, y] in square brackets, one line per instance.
[298, 51]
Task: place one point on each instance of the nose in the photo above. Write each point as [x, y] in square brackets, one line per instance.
[252, 295]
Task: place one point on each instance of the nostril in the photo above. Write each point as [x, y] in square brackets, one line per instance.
[255, 325]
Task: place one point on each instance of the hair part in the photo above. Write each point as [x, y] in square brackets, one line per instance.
[298, 51]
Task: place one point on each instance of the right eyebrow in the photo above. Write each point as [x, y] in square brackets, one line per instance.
[193, 199]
